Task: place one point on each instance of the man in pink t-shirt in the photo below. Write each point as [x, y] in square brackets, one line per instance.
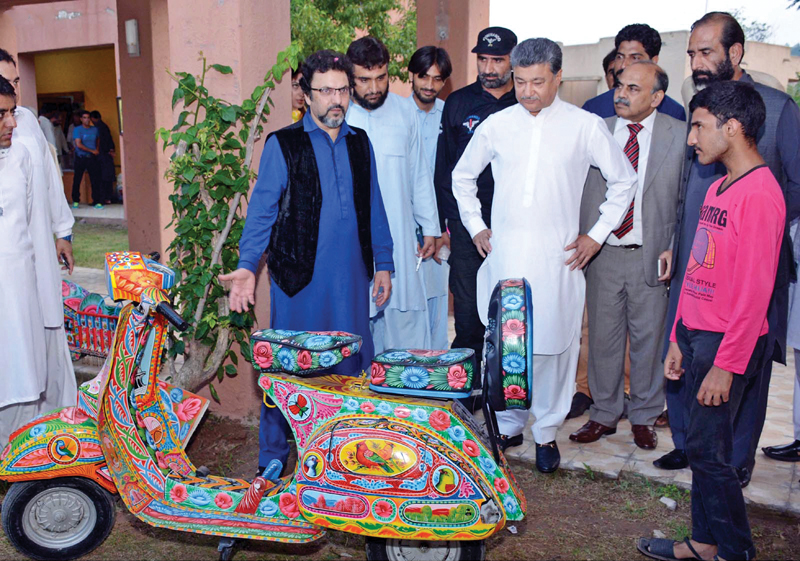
[718, 338]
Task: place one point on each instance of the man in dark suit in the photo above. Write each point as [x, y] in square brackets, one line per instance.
[625, 290]
[106, 147]
[716, 48]
[633, 43]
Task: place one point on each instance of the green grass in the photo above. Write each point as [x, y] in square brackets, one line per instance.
[92, 241]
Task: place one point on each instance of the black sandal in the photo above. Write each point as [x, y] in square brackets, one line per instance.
[663, 549]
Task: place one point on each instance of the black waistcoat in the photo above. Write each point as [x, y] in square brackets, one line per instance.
[293, 245]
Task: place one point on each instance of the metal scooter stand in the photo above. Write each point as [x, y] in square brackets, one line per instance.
[226, 548]
[491, 422]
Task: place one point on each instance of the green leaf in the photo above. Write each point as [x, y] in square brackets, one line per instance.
[176, 96]
[222, 69]
[230, 370]
[229, 114]
[213, 391]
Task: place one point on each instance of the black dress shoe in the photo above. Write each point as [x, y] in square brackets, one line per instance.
[672, 460]
[785, 453]
[548, 457]
[580, 404]
[744, 475]
[504, 441]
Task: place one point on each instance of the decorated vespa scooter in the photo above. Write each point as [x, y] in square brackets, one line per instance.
[415, 475]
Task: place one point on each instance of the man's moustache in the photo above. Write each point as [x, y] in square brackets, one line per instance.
[332, 107]
[622, 101]
[530, 98]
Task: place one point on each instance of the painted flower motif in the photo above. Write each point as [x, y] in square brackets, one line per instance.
[72, 416]
[288, 505]
[383, 509]
[304, 360]
[450, 356]
[471, 448]
[457, 433]
[487, 465]
[514, 327]
[420, 415]
[267, 508]
[439, 420]
[160, 459]
[510, 505]
[394, 356]
[223, 500]
[266, 382]
[514, 392]
[287, 332]
[286, 359]
[402, 412]
[36, 430]
[501, 484]
[199, 498]
[188, 409]
[65, 289]
[178, 493]
[327, 359]
[262, 353]
[512, 302]
[384, 408]
[176, 394]
[378, 373]
[318, 341]
[351, 404]
[346, 350]
[456, 377]
[367, 407]
[414, 377]
[514, 363]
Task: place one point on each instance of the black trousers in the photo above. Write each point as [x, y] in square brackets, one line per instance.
[464, 264]
[718, 510]
[89, 164]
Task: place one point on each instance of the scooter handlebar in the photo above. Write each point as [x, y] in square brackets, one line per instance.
[166, 309]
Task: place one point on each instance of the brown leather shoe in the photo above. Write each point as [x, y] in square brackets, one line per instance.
[644, 436]
[591, 432]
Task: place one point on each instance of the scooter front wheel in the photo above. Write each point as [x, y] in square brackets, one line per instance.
[379, 549]
[61, 519]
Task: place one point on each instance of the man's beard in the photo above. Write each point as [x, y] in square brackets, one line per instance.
[370, 105]
[424, 98]
[332, 122]
[725, 71]
[493, 81]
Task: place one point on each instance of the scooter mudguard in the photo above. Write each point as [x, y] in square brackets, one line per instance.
[392, 467]
[62, 443]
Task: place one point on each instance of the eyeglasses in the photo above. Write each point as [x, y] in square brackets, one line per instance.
[328, 92]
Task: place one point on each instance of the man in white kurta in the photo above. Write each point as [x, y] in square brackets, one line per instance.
[540, 151]
[408, 196]
[51, 234]
[429, 68]
[23, 373]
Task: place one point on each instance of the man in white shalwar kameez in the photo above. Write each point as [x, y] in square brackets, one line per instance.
[51, 234]
[23, 373]
[407, 189]
[541, 150]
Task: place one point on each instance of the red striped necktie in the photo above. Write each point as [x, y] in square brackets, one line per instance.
[632, 151]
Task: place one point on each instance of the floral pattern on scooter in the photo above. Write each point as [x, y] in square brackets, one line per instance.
[301, 352]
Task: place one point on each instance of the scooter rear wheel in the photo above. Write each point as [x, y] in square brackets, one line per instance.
[61, 518]
[379, 549]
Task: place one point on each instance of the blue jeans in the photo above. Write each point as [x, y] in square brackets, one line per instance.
[273, 433]
[718, 510]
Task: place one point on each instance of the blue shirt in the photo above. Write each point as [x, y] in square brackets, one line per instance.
[430, 123]
[603, 106]
[88, 136]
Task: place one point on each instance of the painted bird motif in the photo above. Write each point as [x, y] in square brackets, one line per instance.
[370, 459]
[311, 466]
[63, 451]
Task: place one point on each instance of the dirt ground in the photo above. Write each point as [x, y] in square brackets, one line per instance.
[570, 516]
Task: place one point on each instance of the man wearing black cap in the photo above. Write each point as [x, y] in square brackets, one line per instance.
[464, 110]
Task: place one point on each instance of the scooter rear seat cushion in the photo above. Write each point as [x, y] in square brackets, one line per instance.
[301, 352]
[443, 374]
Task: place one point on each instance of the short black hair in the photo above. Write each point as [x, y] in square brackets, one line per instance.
[368, 52]
[83, 112]
[644, 34]
[95, 114]
[609, 58]
[732, 32]
[732, 99]
[322, 62]
[425, 57]
[5, 56]
[7, 89]
[48, 109]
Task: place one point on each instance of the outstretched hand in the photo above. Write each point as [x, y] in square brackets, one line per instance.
[243, 289]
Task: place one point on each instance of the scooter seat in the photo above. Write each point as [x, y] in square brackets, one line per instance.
[439, 374]
[301, 352]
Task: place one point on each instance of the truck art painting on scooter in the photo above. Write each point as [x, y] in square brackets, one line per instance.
[415, 475]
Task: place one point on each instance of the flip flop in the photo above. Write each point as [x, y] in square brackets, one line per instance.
[663, 549]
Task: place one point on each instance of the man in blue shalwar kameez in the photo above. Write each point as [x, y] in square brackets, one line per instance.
[330, 235]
